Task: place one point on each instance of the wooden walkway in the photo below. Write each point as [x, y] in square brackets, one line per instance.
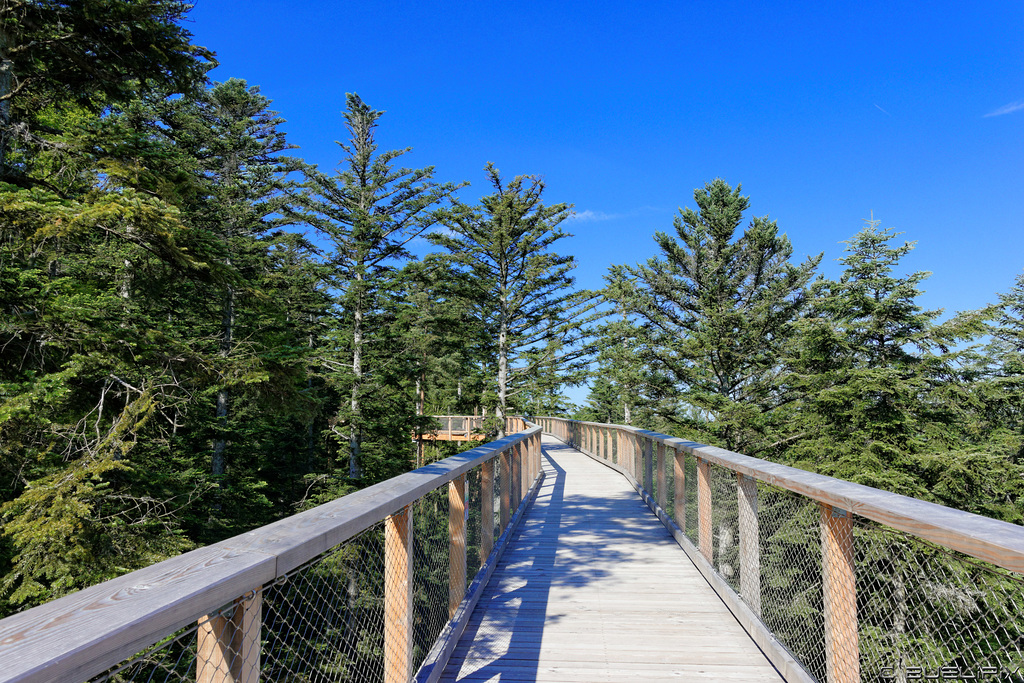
[593, 588]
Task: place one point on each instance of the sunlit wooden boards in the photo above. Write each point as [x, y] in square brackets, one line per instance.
[594, 589]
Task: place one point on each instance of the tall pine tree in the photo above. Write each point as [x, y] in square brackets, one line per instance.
[523, 291]
[369, 211]
[715, 312]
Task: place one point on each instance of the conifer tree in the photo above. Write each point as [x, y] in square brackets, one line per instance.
[369, 211]
[715, 312]
[874, 370]
[235, 139]
[86, 55]
[523, 290]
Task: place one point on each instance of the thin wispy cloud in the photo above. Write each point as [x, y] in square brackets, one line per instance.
[594, 216]
[1007, 109]
[589, 215]
[882, 110]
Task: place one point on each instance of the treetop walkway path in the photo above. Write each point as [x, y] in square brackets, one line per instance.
[594, 588]
[610, 553]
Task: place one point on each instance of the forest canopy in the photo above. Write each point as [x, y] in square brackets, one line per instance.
[201, 333]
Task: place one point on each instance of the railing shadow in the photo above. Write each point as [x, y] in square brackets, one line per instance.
[548, 552]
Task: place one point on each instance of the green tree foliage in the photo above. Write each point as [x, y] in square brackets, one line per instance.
[1001, 391]
[369, 211]
[522, 291]
[875, 371]
[716, 311]
[85, 55]
[241, 184]
[91, 386]
[619, 381]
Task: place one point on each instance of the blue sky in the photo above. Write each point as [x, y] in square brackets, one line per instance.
[824, 111]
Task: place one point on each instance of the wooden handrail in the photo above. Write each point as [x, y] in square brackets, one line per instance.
[992, 540]
[85, 633]
[999, 543]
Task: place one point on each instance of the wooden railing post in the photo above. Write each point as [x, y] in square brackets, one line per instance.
[486, 509]
[750, 548]
[679, 501]
[228, 644]
[626, 450]
[540, 454]
[631, 453]
[704, 508]
[637, 456]
[660, 465]
[532, 458]
[524, 469]
[517, 476]
[839, 588]
[537, 463]
[506, 487]
[456, 543]
[398, 596]
[649, 465]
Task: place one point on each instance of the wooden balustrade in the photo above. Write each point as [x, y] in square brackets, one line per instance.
[990, 540]
[84, 634]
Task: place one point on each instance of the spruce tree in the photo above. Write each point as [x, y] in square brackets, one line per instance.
[874, 370]
[87, 56]
[715, 312]
[369, 212]
[523, 291]
[236, 141]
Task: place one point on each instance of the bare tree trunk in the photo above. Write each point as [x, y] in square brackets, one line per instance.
[355, 437]
[310, 441]
[899, 624]
[421, 382]
[502, 374]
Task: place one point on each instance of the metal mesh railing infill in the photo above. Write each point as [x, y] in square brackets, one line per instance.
[370, 608]
[844, 596]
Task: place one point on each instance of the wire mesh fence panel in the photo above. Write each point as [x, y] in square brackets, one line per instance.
[791, 584]
[172, 659]
[474, 521]
[692, 529]
[325, 620]
[499, 484]
[651, 453]
[431, 584]
[725, 525]
[924, 610]
[670, 482]
[638, 459]
[321, 622]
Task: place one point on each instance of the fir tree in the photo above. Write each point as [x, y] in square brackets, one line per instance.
[85, 55]
[523, 290]
[369, 211]
[874, 370]
[715, 314]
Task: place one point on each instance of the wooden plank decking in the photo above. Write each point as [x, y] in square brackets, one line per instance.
[593, 588]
